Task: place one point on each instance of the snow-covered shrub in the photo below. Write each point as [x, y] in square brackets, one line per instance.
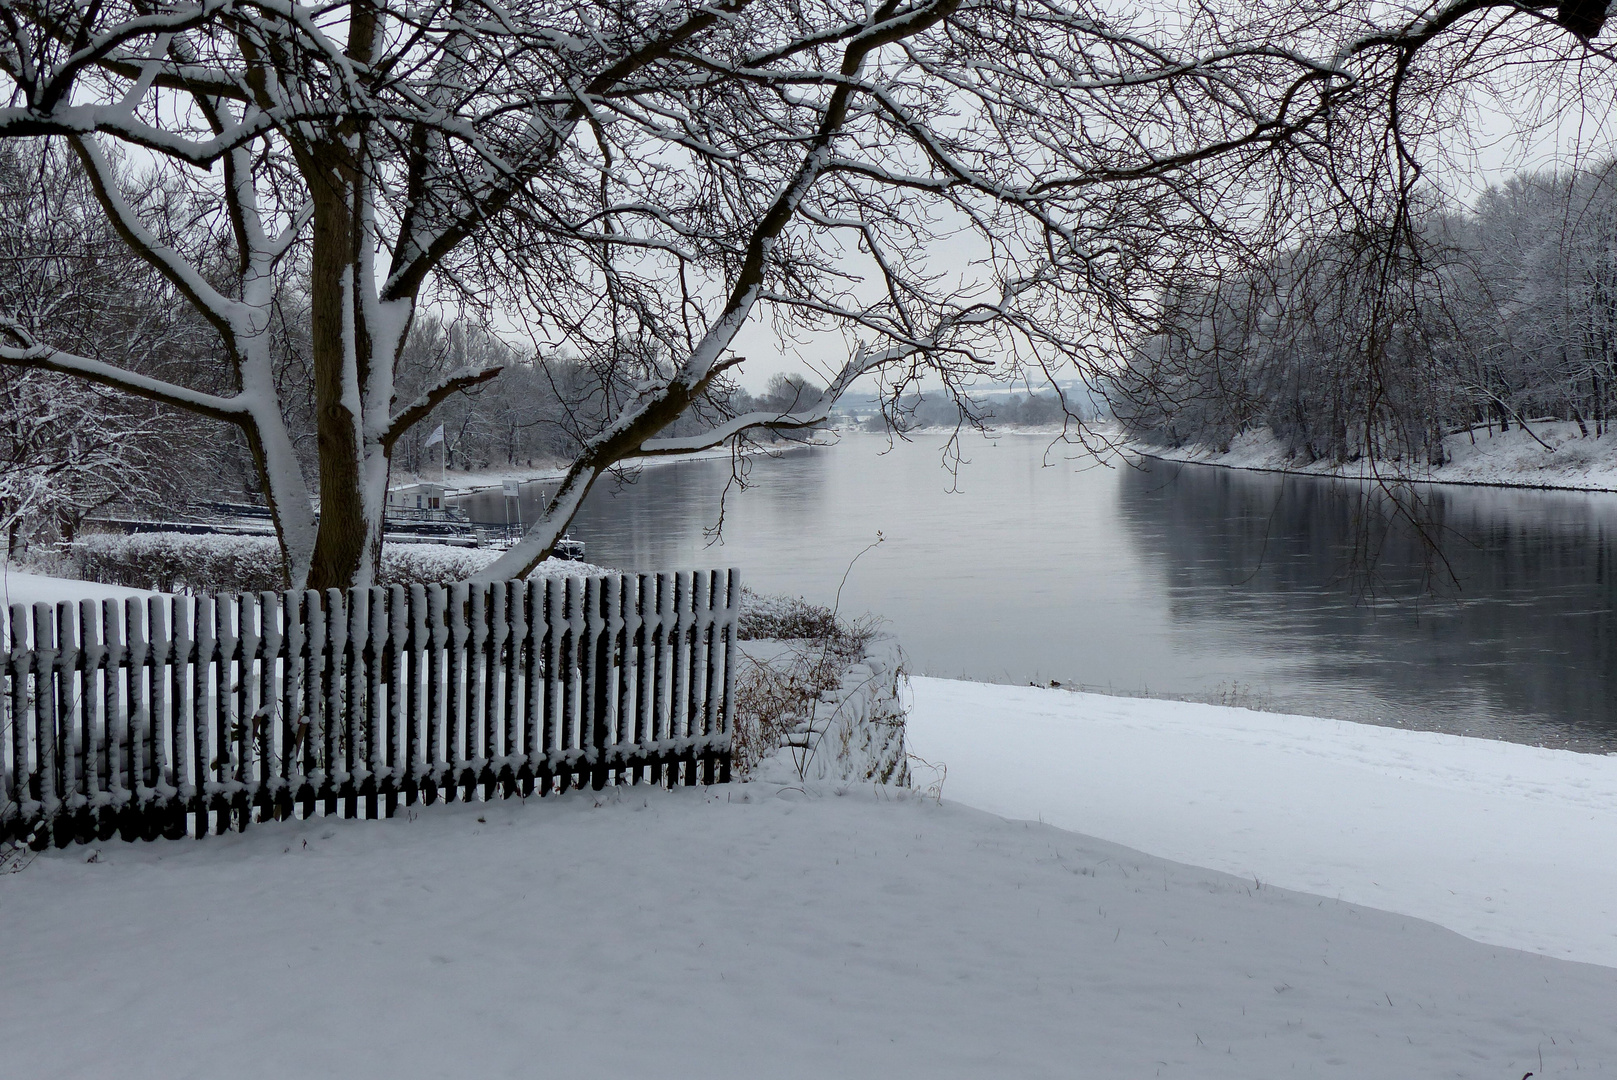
[813, 714]
[443, 564]
[430, 564]
[766, 617]
[167, 561]
[857, 731]
[773, 693]
[215, 563]
[823, 704]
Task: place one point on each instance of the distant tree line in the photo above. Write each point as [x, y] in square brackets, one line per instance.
[990, 410]
[539, 410]
[1381, 341]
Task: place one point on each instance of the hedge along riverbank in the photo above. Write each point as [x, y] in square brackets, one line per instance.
[215, 563]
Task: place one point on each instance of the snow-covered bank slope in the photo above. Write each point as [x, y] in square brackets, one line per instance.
[19, 587]
[1505, 843]
[694, 934]
[1510, 459]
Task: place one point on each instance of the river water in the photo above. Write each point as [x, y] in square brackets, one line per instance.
[1036, 564]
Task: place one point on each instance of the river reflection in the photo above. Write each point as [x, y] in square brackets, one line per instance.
[1039, 565]
[1510, 629]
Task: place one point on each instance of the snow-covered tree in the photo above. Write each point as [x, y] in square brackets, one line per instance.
[68, 448]
[658, 175]
[66, 451]
[1546, 262]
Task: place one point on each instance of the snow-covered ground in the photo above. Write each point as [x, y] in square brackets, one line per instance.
[788, 930]
[743, 933]
[1510, 459]
[1504, 843]
[24, 587]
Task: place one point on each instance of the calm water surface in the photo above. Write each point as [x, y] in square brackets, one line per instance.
[1037, 564]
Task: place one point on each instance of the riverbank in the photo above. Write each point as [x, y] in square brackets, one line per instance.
[1490, 839]
[466, 482]
[1552, 455]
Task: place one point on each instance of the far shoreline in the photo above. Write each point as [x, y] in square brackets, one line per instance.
[472, 482]
[1367, 478]
[1508, 461]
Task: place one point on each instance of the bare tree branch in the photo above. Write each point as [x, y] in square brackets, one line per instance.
[432, 397]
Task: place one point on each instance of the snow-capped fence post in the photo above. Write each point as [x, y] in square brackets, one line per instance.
[662, 668]
[187, 714]
[592, 712]
[45, 744]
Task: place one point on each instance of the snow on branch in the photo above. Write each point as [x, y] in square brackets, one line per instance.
[167, 261]
[25, 352]
[417, 410]
[114, 120]
[98, 48]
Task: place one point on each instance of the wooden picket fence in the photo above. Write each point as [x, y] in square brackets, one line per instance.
[172, 715]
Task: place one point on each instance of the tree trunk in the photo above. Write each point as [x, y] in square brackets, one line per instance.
[355, 340]
[1599, 406]
[340, 545]
[285, 492]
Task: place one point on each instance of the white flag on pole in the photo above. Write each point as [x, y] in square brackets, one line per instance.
[435, 438]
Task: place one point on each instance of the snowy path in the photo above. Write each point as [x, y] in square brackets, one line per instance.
[789, 936]
[1508, 844]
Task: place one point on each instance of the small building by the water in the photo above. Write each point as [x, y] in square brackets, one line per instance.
[422, 496]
